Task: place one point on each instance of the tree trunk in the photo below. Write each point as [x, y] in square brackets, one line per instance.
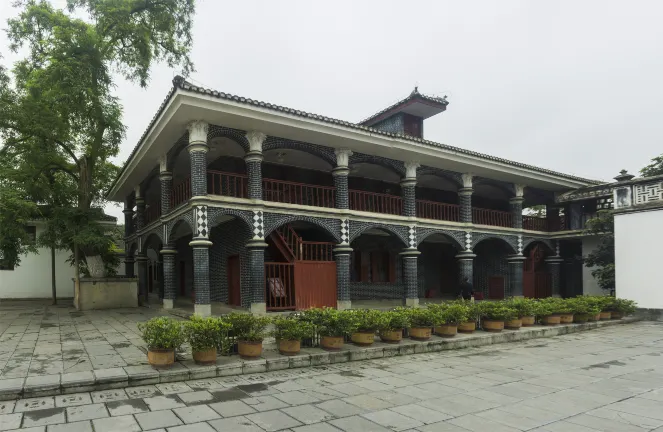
[77, 277]
[53, 287]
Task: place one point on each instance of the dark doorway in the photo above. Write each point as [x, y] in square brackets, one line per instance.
[182, 278]
[496, 287]
[150, 278]
[234, 295]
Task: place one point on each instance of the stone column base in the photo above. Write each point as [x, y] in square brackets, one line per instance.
[343, 304]
[167, 303]
[203, 310]
[412, 302]
[259, 308]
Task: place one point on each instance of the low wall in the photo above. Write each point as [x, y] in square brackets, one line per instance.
[107, 293]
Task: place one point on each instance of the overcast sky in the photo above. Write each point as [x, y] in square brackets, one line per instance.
[574, 86]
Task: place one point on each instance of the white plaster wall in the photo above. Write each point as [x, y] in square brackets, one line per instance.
[32, 278]
[590, 285]
[639, 257]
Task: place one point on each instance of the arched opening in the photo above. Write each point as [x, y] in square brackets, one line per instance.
[491, 268]
[374, 187]
[152, 248]
[180, 236]
[438, 273]
[376, 268]
[537, 281]
[437, 198]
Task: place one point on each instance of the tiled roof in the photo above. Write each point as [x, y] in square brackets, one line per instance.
[180, 83]
[415, 94]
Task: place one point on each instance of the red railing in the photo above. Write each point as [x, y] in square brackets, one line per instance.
[298, 193]
[438, 211]
[492, 217]
[315, 251]
[535, 223]
[181, 193]
[152, 212]
[227, 184]
[291, 239]
[375, 202]
[280, 286]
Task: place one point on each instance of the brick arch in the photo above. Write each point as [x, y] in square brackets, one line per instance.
[505, 187]
[510, 241]
[180, 145]
[400, 231]
[457, 237]
[453, 177]
[175, 223]
[239, 136]
[324, 153]
[215, 213]
[396, 166]
[273, 221]
[148, 240]
[133, 247]
[529, 241]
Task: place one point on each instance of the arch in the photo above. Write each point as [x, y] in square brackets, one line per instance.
[510, 241]
[150, 239]
[529, 241]
[450, 176]
[215, 213]
[273, 221]
[133, 247]
[324, 153]
[239, 136]
[401, 232]
[174, 224]
[179, 145]
[507, 188]
[457, 237]
[396, 166]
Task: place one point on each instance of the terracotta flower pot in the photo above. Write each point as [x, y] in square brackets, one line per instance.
[605, 316]
[513, 324]
[616, 315]
[420, 333]
[446, 330]
[492, 325]
[391, 336]
[161, 358]
[249, 349]
[580, 318]
[331, 343]
[467, 327]
[566, 318]
[550, 320]
[528, 321]
[596, 317]
[363, 338]
[290, 347]
[207, 357]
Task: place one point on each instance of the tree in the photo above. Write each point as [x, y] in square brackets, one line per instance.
[603, 256]
[61, 98]
[654, 168]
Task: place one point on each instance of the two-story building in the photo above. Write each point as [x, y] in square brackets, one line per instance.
[271, 208]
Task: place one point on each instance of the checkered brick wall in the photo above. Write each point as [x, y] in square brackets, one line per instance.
[166, 188]
[466, 269]
[516, 278]
[465, 201]
[555, 277]
[409, 200]
[256, 276]
[201, 274]
[517, 212]
[410, 276]
[343, 276]
[394, 124]
[169, 278]
[198, 173]
[254, 172]
[341, 184]
[228, 239]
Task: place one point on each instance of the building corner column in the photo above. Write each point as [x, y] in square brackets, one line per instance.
[202, 304]
[253, 160]
[465, 198]
[340, 174]
[256, 248]
[408, 189]
[516, 264]
[342, 253]
[198, 149]
[555, 266]
[409, 256]
[168, 255]
[166, 179]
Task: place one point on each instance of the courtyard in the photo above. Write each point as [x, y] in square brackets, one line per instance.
[608, 379]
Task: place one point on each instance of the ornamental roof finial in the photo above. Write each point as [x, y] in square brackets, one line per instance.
[624, 176]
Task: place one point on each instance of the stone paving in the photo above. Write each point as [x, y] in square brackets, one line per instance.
[608, 380]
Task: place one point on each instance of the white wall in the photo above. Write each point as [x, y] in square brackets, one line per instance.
[590, 285]
[639, 257]
[32, 278]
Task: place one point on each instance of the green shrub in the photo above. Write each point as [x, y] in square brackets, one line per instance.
[247, 327]
[623, 306]
[205, 333]
[523, 306]
[366, 320]
[583, 305]
[498, 311]
[292, 329]
[396, 319]
[455, 313]
[162, 333]
[542, 309]
[423, 317]
[314, 316]
[558, 305]
[336, 323]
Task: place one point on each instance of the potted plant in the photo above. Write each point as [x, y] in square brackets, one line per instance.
[163, 336]
[422, 321]
[494, 314]
[204, 335]
[451, 314]
[564, 310]
[367, 322]
[525, 309]
[596, 304]
[582, 309]
[620, 308]
[545, 311]
[473, 315]
[289, 333]
[392, 325]
[335, 326]
[249, 331]
[605, 303]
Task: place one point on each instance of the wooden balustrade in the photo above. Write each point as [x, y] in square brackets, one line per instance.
[181, 193]
[227, 184]
[438, 211]
[375, 202]
[492, 217]
[298, 193]
[152, 212]
[315, 251]
[535, 223]
[279, 286]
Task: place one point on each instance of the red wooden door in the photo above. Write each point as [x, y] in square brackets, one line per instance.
[182, 278]
[496, 287]
[315, 284]
[233, 270]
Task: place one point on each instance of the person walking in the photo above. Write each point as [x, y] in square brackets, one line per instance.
[466, 290]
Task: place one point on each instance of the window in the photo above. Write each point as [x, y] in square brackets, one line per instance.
[374, 267]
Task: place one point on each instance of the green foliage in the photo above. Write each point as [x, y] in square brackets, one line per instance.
[603, 256]
[162, 333]
[452, 312]
[289, 328]
[15, 213]
[557, 305]
[314, 315]
[423, 317]
[626, 307]
[206, 333]
[336, 323]
[653, 169]
[247, 327]
[498, 311]
[583, 305]
[542, 309]
[366, 320]
[396, 319]
[523, 306]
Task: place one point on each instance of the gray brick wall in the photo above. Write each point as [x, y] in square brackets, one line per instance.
[342, 276]
[394, 124]
[516, 278]
[254, 172]
[465, 201]
[466, 270]
[198, 173]
[169, 278]
[409, 200]
[410, 276]
[517, 212]
[491, 260]
[166, 188]
[256, 276]
[555, 277]
[229, 239]
[201, 275]
[342, 198]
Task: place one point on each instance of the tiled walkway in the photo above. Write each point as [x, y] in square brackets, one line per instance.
[609, 379]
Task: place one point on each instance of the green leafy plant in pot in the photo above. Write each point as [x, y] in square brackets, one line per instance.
[367, 322]
[289, 333]
[392, 325]
[163, 336]
[335, 326]
[422, 320]
[451, 314]
[545, 312]
[494, 314]
[622, 307]
[562, 308]
[473, 316]
[525, 310]
[582, 308]
[205, 335]
[249, 331]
